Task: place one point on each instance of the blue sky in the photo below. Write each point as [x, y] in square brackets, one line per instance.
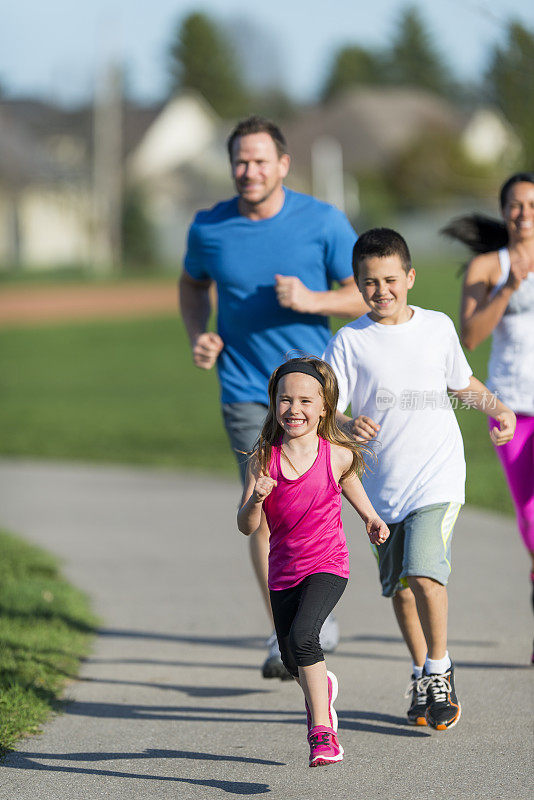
[54, 49]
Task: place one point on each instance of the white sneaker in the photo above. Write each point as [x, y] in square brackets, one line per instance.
[272, 645]
[273, 666]
[329, 636]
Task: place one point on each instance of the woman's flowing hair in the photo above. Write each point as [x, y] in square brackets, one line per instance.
[327, 429]
[482, 234]
[479, 233]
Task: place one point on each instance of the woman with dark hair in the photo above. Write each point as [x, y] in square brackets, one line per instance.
[498, 299]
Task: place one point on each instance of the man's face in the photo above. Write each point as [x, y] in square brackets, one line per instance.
[257, 169]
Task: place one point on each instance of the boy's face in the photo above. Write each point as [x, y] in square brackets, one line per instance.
[384, 285]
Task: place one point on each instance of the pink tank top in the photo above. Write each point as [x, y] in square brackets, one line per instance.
[305, 523]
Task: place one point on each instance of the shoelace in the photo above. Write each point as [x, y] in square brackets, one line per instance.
[320, 738]
[438, 688]
[419, 685]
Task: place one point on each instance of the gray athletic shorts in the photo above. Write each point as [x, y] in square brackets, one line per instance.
[243, 423]
[418, 545]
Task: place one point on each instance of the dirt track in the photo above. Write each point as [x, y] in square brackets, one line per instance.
[26, 305]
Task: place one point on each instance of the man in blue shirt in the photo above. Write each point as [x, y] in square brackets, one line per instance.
[274, 255]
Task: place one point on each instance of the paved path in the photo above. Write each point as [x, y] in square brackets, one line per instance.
[171, 703]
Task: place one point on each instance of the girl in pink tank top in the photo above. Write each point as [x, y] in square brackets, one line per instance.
[302, 464]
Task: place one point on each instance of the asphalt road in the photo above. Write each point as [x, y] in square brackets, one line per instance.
[171, 703]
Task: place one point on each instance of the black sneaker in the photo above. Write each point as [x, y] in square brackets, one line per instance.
[416, 713]
[274, 668]
[442, 707]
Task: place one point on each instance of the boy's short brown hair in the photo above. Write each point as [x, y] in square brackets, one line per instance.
[380, 243]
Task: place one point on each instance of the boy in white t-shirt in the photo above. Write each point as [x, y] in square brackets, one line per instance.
[394, 366]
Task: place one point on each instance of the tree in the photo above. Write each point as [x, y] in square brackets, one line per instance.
[510, 82]
[138, 234]
[352, 66]
[434, 169]
[203, 59]
[413, 58]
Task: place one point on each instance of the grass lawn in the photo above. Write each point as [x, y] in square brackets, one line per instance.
[126, 391]
[45, 628]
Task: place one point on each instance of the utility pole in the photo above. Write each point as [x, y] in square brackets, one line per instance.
[107, 170]
[327, 171]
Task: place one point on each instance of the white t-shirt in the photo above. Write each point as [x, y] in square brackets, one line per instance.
[398, 375]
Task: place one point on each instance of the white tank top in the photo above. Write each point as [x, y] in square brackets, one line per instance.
[511, 364]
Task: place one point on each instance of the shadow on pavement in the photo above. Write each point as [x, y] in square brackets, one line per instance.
[24, 761]
[190, 691]
[394, 726]
[182, 713]
[150, 753]
[249, 642]
[398, 640]
[171, 663]
[490, 665]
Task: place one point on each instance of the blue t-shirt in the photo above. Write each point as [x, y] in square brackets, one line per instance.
[307, 238]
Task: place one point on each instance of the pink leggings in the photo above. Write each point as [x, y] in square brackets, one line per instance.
[517, 459]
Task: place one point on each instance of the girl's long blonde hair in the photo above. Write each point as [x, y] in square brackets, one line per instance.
[327, 429]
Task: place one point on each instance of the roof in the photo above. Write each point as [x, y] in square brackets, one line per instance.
[46, 122]
[372, 124]
[23, 159]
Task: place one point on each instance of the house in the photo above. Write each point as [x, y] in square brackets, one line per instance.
[179, 165]
[47, 181]
[64, 174]
[56, 165]
[375, 125]
[43, 200]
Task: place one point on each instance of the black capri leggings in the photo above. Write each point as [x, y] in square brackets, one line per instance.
[299, 613]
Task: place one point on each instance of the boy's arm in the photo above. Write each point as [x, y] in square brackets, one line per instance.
[257, 488]
[479, 396]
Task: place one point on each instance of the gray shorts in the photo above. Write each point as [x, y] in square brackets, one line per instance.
[418, 545]
[243, 423]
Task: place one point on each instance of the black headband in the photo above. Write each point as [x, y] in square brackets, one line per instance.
[296, 365]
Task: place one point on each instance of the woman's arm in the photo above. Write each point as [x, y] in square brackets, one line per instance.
[480, 314]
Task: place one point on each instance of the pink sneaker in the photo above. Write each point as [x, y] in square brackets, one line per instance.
[324, 746]
[332, 694]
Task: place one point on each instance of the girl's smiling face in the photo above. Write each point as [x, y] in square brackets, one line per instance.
[299, 404]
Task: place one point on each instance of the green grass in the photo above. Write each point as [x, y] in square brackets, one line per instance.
[126, 391]
[109, 391]
[45, 629]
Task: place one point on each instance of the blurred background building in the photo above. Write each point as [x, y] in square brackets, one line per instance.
[392, 135]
